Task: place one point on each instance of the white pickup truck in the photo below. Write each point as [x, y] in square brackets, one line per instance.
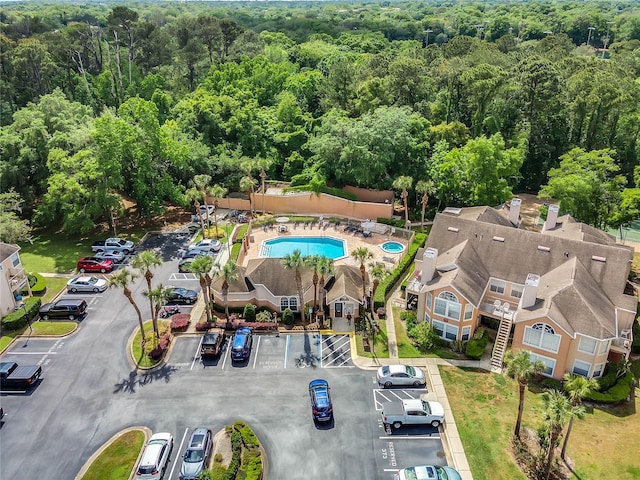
[413, 412]
[207, 212]
[114, 245]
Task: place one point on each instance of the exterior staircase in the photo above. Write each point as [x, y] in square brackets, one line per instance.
[502, 339]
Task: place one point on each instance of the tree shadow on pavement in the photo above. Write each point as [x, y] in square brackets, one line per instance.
[128, 385]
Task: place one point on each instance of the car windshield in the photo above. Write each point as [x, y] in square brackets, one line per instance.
[411, 371]
[93, 280]
[193, 456]
[424, 473]
[385, 370]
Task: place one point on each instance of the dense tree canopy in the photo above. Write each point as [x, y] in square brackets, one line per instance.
[480, 99]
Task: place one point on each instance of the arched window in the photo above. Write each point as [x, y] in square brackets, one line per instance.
[284, 304]
[447, 305]
[542, 336]
[293, 303]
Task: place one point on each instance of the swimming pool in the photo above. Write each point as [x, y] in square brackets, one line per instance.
[392, 247]
[327, 246]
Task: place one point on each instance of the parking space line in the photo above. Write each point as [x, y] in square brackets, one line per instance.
[255, 358]
[286, 351]
[32, 353]
[186, 430]
[197, 355]
[410, 437]
[396, 395]
[224, 353]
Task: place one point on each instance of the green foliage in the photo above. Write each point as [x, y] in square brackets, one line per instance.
[423, 336]
[18, 318]
[336, 192]
[287, 317]
[390, 280]
[249, 312]
[476, 346]
[394, 222]
[37, 283]
[618, 392]
[13, 229]
[249, 438]
[236, 449]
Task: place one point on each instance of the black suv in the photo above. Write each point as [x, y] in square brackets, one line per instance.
[71, 309]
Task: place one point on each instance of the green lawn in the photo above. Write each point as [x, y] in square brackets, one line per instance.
[54, 286]
[485, 408]
[136, 348]
[406, 349]
[381, 346]
[117, 460]
[56, 328]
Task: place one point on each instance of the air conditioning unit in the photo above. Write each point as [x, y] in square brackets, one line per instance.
[625, 334]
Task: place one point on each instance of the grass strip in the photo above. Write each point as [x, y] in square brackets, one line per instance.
[117, 460]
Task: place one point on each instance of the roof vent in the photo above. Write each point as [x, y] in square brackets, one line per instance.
[596, 258]
[542, 248]
[499, 239]
[452, 210]
[453, 229]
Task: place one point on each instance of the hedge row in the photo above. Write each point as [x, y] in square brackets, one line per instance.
[19, 318]
[336, 192]
[387, 284]
[394, 222]
[37, 283]
[617, 393]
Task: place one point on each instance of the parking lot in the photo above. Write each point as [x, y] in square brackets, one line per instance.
[89, 392]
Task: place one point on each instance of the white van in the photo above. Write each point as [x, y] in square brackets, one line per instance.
[155, 457]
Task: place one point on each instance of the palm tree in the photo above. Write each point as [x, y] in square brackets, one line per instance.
[263, 164]
[122, 279]
[295, 261]
[404, 183]
[157, 296]
[228, 273]
[557, 412]
[144, 262]
[577, 387]
[217, 192]
[362, 254]
[201, 266]
[312, 262]
[193, 195]
[325, 268]
[425, 187]
[378, 273]
[521, 368]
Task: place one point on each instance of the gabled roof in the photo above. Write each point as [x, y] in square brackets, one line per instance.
[568, 227]
[6, 250]
[348, 281]
[510, 254]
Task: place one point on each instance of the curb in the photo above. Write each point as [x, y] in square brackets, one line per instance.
[145, 430]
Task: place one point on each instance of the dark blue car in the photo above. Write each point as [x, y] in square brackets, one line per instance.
[321, 406]
[241, 345]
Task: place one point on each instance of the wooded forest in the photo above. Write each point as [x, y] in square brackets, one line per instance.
[472, 100]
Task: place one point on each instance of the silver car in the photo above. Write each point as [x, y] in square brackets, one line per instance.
[155, 457]
[428, 472]
[404, 375]
[113, 255]
[86, 284]
[198, 454]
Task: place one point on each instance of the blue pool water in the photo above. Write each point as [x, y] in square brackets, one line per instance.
[392, 247]
[280, 247]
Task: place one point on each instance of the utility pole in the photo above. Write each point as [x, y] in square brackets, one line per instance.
[606, 38]
[591, 29]
[427, 31]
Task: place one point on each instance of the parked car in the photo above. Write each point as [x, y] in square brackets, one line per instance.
[241, 345]
[182, 295]
[155, 457]
[412, 411]
[124, 246]
[391, 375]
[93, 264]
[196, 252]
[114, 255]
[428, 472]
[65, 308]
[321, 406]
[212, 342]
[185, 264]
[87, 284]
[14, 376]
[207, 244]
[196, 458]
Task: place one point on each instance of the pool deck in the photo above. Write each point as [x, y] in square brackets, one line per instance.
[352, 242]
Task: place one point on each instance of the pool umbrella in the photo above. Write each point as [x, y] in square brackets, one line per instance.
[282, 219]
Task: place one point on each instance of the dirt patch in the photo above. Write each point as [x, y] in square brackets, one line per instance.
[222, 448]
[530, 210]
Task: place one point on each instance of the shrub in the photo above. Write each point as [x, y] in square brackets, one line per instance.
[204, 326]
[18, 318]
[424, 336]
[249, 313]
[390, 280]
[458, 346]
[552, 384]
[180, 321]
[381, 311]
[37, 283]
[287, 317]
[617, 393]
[475, 347]
[264, 317]
[394, 222]
[480, 333]
[236, 448]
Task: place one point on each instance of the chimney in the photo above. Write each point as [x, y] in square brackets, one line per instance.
[552, 218]
[429, 259]
[529, 291]
[514, 211]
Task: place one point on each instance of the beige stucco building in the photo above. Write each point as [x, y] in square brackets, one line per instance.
[560, 293]
[12, 277]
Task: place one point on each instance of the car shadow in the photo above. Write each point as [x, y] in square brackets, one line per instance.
[211, 361]
[23, 393]
[240, 363]
[412, 430]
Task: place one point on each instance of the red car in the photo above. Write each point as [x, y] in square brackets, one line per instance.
[93, 264]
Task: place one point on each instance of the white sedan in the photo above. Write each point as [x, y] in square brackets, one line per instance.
[390, 375]
[208, 244]
[86, 284]
[113, 255]
[428, 472]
